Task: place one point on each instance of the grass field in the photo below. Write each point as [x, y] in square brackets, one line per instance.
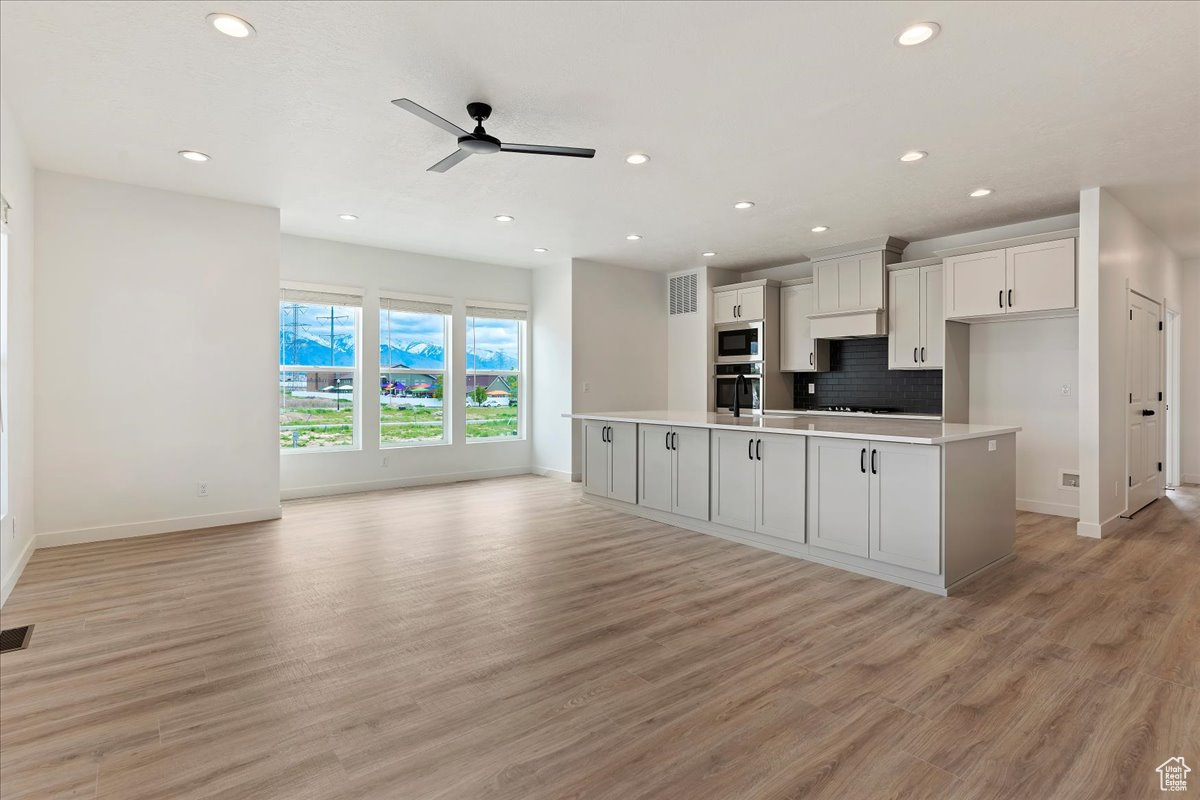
[317, 422]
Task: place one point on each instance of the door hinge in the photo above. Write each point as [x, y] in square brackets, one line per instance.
[1160, 397]
[1131, 480]
[1160, 324]
[1160, 466]
[1131, 315]
[1131, 397]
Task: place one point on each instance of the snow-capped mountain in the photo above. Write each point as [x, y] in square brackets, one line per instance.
[310, 349]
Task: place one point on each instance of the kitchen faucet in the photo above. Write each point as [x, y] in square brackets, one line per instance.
[738, 383]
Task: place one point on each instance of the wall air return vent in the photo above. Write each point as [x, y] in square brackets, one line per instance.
[682, 294]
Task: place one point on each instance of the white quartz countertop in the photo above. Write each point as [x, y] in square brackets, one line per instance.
[882, 429]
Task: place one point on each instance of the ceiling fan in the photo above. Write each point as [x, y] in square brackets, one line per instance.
[478, 141]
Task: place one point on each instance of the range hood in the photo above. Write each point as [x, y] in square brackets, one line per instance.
[850, 289]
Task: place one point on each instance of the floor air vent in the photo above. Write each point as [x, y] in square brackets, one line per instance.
[15, 638]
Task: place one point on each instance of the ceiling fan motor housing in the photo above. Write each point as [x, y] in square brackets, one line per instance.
[479, 143]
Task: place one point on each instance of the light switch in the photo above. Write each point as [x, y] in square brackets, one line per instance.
[991, 445]
[587, 387]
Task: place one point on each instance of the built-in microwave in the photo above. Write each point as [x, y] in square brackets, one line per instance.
[748, 391]
[739, 342]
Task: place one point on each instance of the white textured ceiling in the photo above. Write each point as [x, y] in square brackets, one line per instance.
[800, 107]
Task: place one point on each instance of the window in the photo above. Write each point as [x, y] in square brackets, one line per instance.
[494, 373]
[318, 369]
[412, 372]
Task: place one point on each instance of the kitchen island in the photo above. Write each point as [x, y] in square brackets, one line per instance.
[927, 504]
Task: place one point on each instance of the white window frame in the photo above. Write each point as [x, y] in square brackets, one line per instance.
[522, 373]
[351, 294]
[446, 372]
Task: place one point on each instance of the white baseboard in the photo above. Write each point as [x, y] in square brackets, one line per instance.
[1093, 531]
[547, 472]
[302, 492]
[152, 527]
[14, 571]
[1191, 477]
[1056, 509]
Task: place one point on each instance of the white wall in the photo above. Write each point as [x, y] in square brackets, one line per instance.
[372, 270]
[690, 345]
[1190, 377]
[618, 340]
[551, 382]
[1115, 249]
[1018, 370]
[17, 186]
[155, 359]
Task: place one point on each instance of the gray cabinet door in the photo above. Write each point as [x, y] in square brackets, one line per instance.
[933, 318]
[655, 468]
[904, 319]
[691, 451]
[781, 486]
[623, 465]
[838, 495]
[595, 458]
[906, 507]
[734, 476]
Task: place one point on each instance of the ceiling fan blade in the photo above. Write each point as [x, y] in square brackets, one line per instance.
[548, 150]
[428, 116]
[449, 161]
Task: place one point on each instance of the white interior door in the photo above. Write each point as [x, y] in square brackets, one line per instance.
[1174, 341]
[1143, 373]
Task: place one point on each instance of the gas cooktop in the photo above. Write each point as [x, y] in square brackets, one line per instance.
[859, 409]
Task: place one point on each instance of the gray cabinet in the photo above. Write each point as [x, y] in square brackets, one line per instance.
[673, 470]
[838, 489]
[916, 319]
[906, 505]
[738, 305]
[758, 482]
[798, 351]
[877, 500]
[1032, 277]
[610, 459]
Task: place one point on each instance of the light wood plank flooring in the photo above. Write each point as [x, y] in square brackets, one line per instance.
[501, 639]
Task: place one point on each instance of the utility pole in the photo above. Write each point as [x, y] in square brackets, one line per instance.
[333, 317]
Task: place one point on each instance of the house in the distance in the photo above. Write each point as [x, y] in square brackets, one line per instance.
[496, 388]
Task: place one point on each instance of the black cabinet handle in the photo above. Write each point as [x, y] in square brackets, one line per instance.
[750, 449]
[914, 355]
[1000, 299]
[667, 440]
[922, 355]
[1010, 298]
[758, 449]
[674, 440]
[810, 360]
[862, 461]
[874, 471]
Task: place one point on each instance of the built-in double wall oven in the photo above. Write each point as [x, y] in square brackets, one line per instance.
[748, 391]
[739, 342]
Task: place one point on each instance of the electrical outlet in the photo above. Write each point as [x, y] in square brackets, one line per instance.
[812, 388]
[1065, 389]
[383, 462]
[202, 489]
[991, 445]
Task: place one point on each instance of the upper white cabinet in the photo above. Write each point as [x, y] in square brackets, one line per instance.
[876, 500]
[610, 459]
[736, 305]
[1029, 278]
[849, 283]
[798, 351]
[673, 469]
[758, 482]
[916, 319]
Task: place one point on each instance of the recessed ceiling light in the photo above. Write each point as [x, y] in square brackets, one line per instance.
[348, 217]
[633, 237]
[981, 193]
[230, 25]
[708, 254]
[913, 155]
[541, 250]
[195, 155]
[742, 204]
[918, 33]
[504, 218]
[820, 229]
[636, 158]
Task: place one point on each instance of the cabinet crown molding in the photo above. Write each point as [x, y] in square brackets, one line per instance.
[888, 244]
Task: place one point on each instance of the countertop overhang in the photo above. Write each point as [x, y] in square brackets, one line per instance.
[879, 429]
